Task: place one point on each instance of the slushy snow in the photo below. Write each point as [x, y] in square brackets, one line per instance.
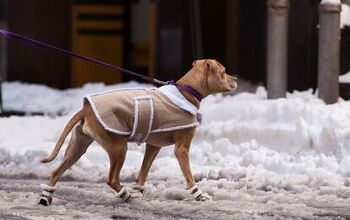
[259, 159]
[296, 143]
[345, 16]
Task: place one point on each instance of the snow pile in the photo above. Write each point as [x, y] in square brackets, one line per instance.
[333, 2]
[345, 16]
[345, 78]
[246, 141]
[32, 98]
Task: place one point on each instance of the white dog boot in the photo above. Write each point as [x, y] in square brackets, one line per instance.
[123, 194]
[198, 195]
[46, 194]
[137, 191]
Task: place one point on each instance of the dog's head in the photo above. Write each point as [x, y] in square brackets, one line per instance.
[217, 79]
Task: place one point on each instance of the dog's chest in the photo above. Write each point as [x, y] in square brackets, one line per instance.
[137, 113]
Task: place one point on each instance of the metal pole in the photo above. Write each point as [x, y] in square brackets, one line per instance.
[277, 48]
[329, 52]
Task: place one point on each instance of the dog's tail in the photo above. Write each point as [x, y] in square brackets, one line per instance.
[73, 121]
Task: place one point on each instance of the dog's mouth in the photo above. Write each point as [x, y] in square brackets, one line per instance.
[235, 85]
[232, 83]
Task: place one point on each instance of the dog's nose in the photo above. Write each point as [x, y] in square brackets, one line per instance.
[234, 77]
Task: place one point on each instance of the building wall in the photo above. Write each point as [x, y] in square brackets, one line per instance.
[303, 45]
[48, 21]
[233, 32]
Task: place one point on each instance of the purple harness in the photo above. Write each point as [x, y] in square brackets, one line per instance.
[188, 89]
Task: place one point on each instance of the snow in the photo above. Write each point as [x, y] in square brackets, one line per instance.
[29, 97]
[334, 2]
[80, 200]
[345, 16]
[345, 78]
[248, 148]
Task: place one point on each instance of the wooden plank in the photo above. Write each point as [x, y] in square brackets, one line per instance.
[96, 39]
[98, 9]
[100, 24]
[140, 54]
[102, 48]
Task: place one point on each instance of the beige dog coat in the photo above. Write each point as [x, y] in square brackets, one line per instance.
[137, 113]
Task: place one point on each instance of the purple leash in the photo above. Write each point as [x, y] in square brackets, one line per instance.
[52, 48]
[49, 47]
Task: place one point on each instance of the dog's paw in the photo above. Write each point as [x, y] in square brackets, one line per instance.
[46, 195]
[136, 191]
[203, 197]
[44, 201]
[124, 195]
[198, 195]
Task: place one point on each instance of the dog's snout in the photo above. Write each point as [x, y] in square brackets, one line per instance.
[235, 77]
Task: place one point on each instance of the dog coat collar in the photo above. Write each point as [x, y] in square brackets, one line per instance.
[173, 93]
[188, 89]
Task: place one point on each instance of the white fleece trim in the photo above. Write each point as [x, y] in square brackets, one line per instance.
[173, 93]
[150, 121]
[136, 116]
[117, 90]
[175, 128]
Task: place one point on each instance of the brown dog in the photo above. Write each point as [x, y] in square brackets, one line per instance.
[206, 77]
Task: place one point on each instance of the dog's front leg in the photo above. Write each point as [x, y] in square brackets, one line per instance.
[150, 154]
[182, 147]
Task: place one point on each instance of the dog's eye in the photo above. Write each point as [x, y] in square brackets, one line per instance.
[223, 74]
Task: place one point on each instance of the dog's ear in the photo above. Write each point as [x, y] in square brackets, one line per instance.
[208, 65]
[194, 62]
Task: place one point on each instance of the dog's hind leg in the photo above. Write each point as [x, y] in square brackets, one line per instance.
[116, 149]
[77, 146]
[150, 154]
